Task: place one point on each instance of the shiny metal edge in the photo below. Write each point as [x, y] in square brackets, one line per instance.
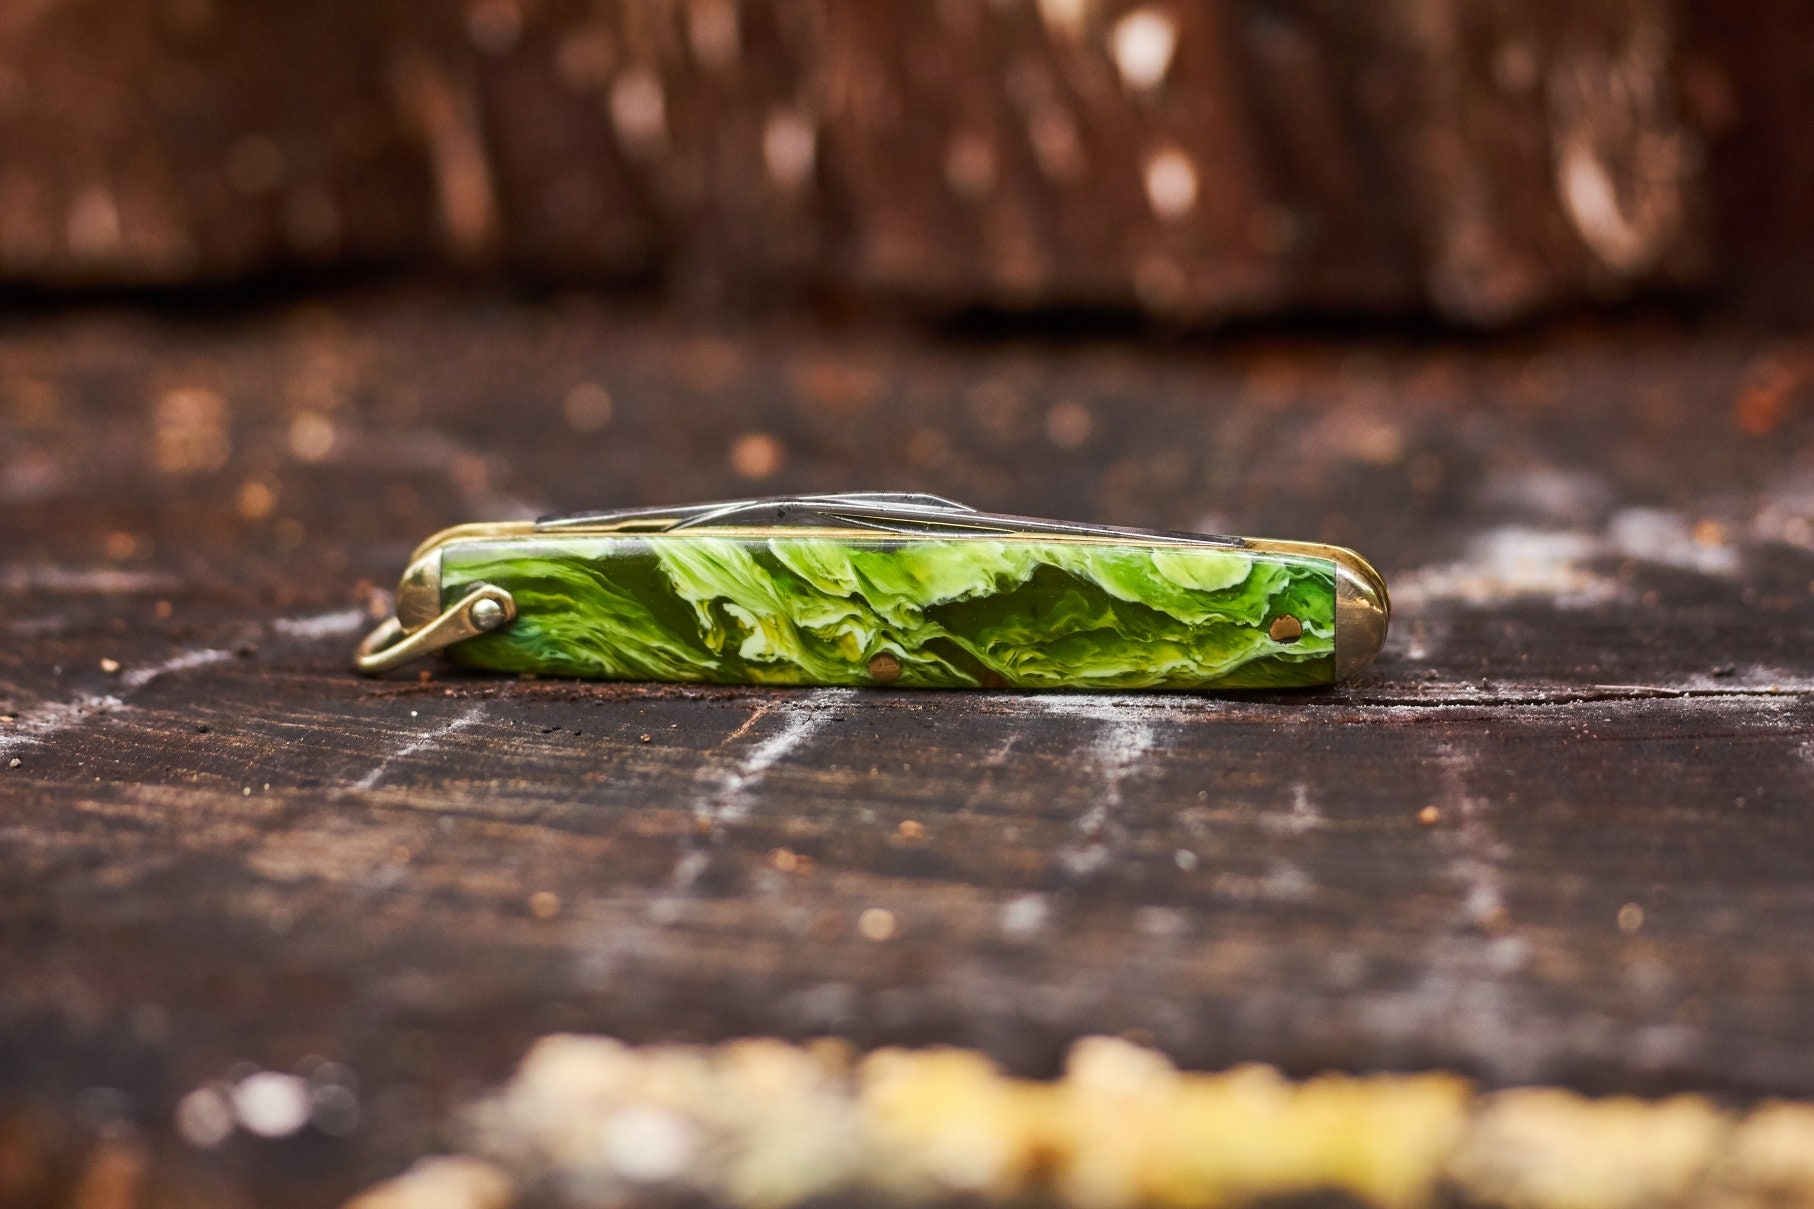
[904, 514]
[476, 529]
[666, 518]
[419, 592]
[1363, 611]
[962, 523]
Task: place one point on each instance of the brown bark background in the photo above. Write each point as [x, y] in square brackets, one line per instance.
[1481, 159]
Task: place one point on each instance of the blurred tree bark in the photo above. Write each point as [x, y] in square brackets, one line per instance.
[1482, 159]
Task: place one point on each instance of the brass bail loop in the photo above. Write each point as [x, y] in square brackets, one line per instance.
[483, 609]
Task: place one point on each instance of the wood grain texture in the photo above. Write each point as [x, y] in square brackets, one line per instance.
[232, 850]
[1480, 159]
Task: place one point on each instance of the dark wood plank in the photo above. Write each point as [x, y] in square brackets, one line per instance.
[1484, 161]
[232, 850]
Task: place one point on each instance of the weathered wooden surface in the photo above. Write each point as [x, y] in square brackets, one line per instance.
[231, 850]
[1482, 159]
[1744, 80]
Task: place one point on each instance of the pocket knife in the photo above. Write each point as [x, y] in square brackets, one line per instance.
[881, 589]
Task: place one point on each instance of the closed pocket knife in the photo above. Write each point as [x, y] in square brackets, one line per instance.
[881, 589]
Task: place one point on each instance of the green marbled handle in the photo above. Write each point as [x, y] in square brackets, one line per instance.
[921, 611]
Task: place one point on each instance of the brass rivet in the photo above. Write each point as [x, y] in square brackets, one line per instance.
[487, 614]
[885, 668]
[1286, 628]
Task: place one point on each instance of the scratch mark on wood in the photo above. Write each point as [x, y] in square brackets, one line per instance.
[1104, 707]
[38, 625]
[728, 800]
[1303, 815]
[419, 744]
[104, 581]
[756, 715]
[139, 677]
[322, 625]
[1121, 745]
[42, 722]
[687, 870]
[1754, 681]
[1469, 982]
[1475, 865]
[37, 725]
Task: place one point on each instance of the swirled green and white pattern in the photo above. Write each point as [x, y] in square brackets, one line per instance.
[952, 612]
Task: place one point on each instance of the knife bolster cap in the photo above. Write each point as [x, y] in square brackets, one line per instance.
[1362, 611]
